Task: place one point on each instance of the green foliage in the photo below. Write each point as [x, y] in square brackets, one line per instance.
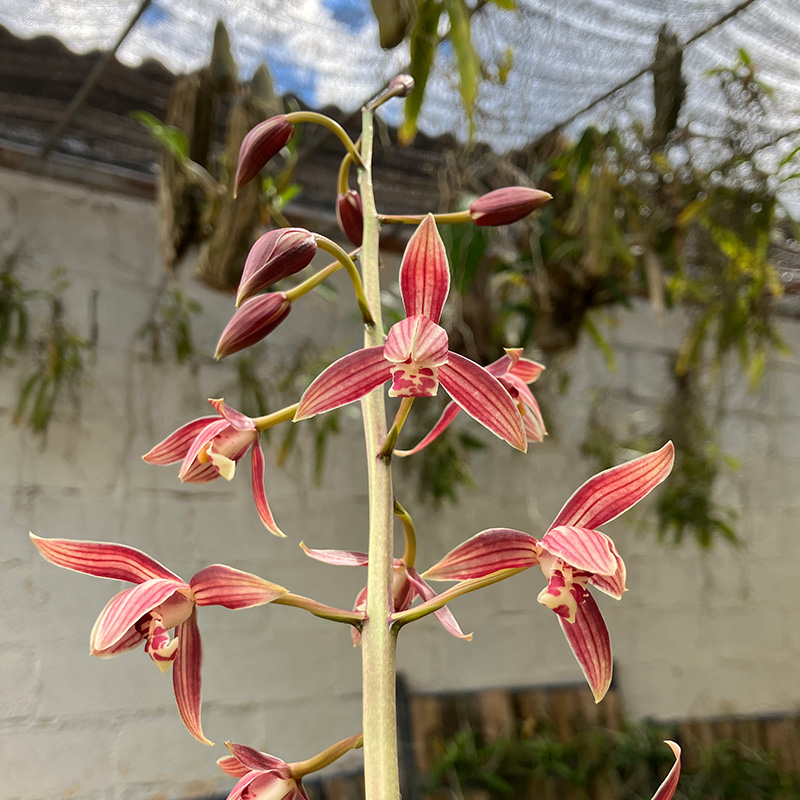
[599, 763]
[55, 361]
[173, 139]
[170, 325]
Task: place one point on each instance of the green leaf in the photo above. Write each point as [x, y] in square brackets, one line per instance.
[173, 139]
[509, 5]
[469, 65]
[422, 45]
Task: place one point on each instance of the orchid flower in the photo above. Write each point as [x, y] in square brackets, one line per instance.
[159, 602]
[406, 586]
[514, 373]
[572, 554]
[415, 356]
[210, 447]
[265, 777]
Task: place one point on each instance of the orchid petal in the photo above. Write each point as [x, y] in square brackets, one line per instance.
[259, 493]
[526, 395]
[486, 552]
[186, 678]
[608, 494]
[444, 615]
[670, 784]
[233, 766]
[219, 585]
[264, 786]
[526, 370]
[583, 548]
[483, 397]
[125, 609]
[201, 440]
[102, 559]
[200, 473]
[130, 641]
[175, 447]
[418, 339]
[424, 273]
[588, 638]
[238, 420]
[505, 362]
[256, 760]
[346, 380]
[341, 558]
[359, 605]
[612, 585]
[448, 415]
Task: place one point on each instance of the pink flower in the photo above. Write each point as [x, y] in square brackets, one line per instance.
[514, 373]
[504, 206]
[263, 142]
[407, 585]
[350, 216]
[275, 256]
[263, 777]
[572, 555]
[159, 602]
[210, 447]
[252, 321]
[670, 784]
[416, 357]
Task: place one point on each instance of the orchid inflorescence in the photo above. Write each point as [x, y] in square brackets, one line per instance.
[414, 358]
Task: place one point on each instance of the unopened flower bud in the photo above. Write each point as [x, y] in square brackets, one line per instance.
[504, 206]
[350, 216]
[403, 85]
[252, 322]
[275, 256]
[259, 146]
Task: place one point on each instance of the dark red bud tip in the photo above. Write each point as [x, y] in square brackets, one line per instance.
[350, 216]
[252, 322]
[259, 146]
[504, 206]
[275, 256]
[403, 85]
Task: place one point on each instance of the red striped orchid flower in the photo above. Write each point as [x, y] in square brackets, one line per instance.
[159, 602]
[210, 447]
[266, 777]
[406, 586]
[415, 356]
[514, 373]
[572, 554]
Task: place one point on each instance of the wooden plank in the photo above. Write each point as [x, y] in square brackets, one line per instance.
[428, 730]
[497, 718]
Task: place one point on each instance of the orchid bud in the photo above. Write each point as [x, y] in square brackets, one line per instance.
[252, 322]
[403, 85]
[275, 256]
[259, 146]
[504, 206]
[350, 216]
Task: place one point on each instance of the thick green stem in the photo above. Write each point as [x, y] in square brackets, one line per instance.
[378, 639]
[451, 218]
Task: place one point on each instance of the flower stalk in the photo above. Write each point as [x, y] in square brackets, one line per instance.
[379, 640]
[331, 125]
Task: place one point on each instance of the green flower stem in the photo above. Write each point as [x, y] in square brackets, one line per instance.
[324, 759]
[378, 639]
[414, 219]
[315, 280]
[410, 554]
[342, 181]
[399, 420]
[331, 125]
[347, 262]
[276, 417]
[441, 600]
[320, 609]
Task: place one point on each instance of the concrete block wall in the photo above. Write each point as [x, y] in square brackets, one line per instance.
[698, 634]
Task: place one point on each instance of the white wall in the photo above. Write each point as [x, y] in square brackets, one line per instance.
[698, 633]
